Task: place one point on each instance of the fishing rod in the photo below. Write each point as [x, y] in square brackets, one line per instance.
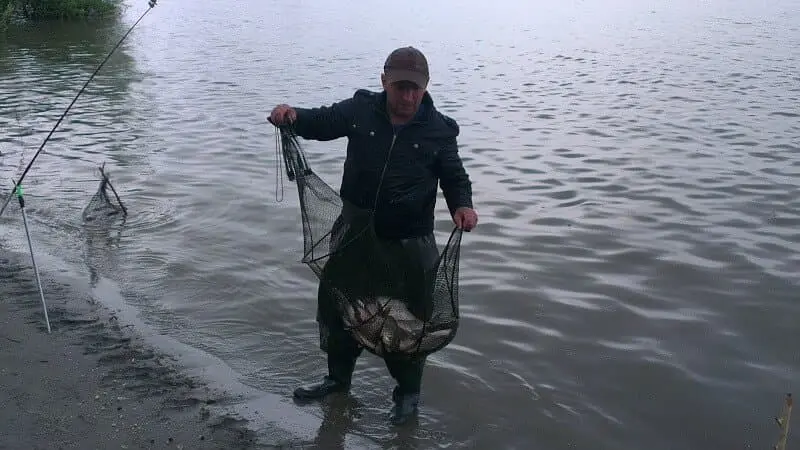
[151, 5]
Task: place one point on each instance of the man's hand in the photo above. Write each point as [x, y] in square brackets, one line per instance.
[465, 218]
[282, 115]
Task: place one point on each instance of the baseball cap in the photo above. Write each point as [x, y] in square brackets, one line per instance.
[407, 64]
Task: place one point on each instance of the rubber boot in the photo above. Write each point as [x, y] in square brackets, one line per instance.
[406, 407]
[340, 372]
[319, 390]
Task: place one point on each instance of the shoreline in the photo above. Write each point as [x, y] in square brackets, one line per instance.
[104, 379]
[93, 383]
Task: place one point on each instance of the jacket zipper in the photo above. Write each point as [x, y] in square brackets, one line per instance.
[391, 146]
[383, 172]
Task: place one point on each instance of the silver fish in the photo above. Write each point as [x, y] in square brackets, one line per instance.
[388, 321]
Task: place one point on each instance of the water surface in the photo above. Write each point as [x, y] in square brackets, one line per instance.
[632, 282]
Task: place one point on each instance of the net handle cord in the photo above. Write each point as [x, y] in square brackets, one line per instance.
[279, 173]
[301, 166]
[287, 132]
[151, 4]
[298, 168]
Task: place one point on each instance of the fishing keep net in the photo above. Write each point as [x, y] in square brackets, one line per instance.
[389, 298]
[104, 205]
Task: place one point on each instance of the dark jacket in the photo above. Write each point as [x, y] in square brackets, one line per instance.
[424, 153]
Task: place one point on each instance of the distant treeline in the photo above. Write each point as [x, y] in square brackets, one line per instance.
[36, 10]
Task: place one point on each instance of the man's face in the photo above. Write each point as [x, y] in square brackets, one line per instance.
[403, 98]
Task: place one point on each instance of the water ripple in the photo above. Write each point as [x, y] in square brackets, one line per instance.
[637, 196]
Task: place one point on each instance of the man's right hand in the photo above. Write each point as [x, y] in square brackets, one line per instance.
[282, 115]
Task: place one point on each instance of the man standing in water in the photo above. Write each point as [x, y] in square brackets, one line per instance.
[402, 119]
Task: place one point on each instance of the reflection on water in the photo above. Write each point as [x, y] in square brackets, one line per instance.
[632, 280]
[338, 417]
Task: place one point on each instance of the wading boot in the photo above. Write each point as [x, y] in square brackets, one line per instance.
[320, 390]
[405, 407]
[340, 372]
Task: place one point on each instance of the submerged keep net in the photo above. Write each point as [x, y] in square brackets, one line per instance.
[392, 296]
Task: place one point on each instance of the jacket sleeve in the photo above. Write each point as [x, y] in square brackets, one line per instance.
[325, 123]
[453, 178]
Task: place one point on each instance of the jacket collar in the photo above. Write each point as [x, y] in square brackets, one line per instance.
[436, 125]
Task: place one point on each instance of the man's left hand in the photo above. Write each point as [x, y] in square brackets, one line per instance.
[465, 218]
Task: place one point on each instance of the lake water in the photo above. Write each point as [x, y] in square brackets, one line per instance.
[633, 281]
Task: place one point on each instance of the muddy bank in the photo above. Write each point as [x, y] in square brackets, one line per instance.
[92, 383]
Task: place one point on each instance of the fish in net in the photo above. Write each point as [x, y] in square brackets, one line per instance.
[102, 206]
[389, 302]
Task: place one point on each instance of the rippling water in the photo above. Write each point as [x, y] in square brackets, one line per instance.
[632, 282]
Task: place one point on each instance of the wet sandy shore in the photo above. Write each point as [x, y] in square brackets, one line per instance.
[91, 384]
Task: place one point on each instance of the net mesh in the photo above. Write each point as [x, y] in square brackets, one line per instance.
[103, 206]
[389, 300]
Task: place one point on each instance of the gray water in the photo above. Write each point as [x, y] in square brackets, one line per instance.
[632, 282]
